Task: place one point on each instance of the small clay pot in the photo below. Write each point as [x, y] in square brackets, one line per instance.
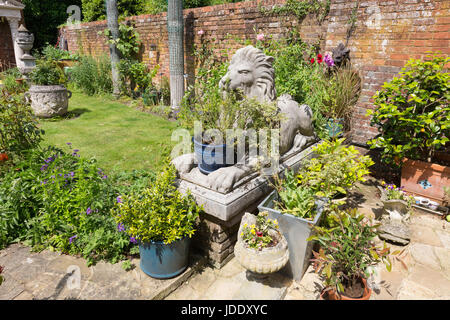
[333, 295]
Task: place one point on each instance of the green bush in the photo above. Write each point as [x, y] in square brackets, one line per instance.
[10, 84]
[159, 213]
[412, 111]
[135, 77]
[92, 76]
[47, 73]
[19, 129]
[335, 169]
[52, 53]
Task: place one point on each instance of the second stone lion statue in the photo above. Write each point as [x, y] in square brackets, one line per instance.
[252, 72]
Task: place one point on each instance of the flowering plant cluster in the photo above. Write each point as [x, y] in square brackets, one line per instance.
[328, 59]
[257, 236]
[392, 192]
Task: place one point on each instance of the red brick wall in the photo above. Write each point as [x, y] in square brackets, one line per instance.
[7, 58]
[387, 34]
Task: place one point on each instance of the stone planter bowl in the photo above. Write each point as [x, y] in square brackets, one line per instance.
[265, 261]
[49, 101]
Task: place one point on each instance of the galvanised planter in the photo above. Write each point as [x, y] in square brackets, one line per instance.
[164, 261]
[296, 231]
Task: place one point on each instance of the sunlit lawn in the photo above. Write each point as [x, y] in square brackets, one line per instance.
[118, 136]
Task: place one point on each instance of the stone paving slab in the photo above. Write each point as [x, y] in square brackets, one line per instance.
[51, 276]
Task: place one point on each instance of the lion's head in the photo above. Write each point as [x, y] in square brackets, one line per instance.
[251, 71]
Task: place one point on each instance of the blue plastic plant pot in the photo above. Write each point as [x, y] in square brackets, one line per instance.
[164, 261]
[211, 157]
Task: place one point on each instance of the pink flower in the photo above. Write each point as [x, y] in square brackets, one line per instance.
[260, 37]
[329, 60]
[201, 32]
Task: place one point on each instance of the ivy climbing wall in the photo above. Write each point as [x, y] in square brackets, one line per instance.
[385, 34]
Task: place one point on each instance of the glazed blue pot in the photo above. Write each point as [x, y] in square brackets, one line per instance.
[164, 261]
[210, 157]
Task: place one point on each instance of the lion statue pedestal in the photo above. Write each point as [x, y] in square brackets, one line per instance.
[229, 192]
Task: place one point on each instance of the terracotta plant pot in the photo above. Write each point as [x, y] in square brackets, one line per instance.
[332, 295]
[425, 179]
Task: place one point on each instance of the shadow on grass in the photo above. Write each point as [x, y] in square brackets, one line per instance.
[72, 114]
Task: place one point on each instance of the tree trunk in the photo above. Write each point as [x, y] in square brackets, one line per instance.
[175, 29]
[112, 15]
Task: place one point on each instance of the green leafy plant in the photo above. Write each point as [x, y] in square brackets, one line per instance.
[135, 77]
[293, 198]
[53, 53]
[343, 93]
[19, 130]
[412, 111]
[128, 42]
[347, 250]
[335, 169]
[258, 236]
[92, 75]
[47, 73]
[159, 213]
[11, 82]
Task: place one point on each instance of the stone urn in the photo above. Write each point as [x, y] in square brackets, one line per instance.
[49, 101]
[396, 209]
[265, 261]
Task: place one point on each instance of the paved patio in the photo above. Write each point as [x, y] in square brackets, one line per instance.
[49, 275]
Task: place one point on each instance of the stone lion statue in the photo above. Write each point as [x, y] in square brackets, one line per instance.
[251, 71]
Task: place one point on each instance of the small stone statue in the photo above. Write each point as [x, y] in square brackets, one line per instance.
[252, 72]
[341, 55]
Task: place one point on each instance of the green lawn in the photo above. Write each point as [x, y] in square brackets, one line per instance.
[119, 137]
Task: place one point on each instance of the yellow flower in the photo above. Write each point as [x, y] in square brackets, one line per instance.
[275, 221]
[253, 231]
[242, 234]
[253, 226]
[245, 225]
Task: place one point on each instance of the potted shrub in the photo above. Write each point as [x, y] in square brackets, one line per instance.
[49, 97]
[334, 170]
[396, 202]
[260, 247]
[297, 210]
[162, 221]
[223, 119]
[346, 251]
[412, 116]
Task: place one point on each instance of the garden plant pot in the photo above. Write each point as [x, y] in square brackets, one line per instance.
[164, 261]
[265, 261]
[296, 231]
[332, 295]
[396, 209]
[425, 179]
[335, 127]
[49, 101]
[211, 157]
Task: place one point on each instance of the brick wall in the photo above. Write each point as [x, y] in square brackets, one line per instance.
[387, 34]
[7, 58]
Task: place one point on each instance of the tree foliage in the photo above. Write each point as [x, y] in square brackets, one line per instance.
[42, 18]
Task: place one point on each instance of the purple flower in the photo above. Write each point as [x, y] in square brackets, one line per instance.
[69, 143]
[120, 227]
[329, 60]
[44, 182]
[75, 150]
[72, 238]
[105, 177]
[89, 211]
[133, 240]
[48, 160]
[44, 167]
[119, 199]
[72, 174]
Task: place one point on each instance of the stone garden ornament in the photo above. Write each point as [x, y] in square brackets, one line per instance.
[251, 71]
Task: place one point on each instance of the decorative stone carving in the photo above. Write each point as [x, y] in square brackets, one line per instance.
[25, 40]
[265, 261]
[49, 101]
[341, 54]
[252, 72]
